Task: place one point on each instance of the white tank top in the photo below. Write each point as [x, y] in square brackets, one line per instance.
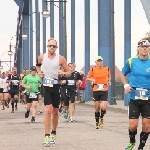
[3, 83]
[50, 67]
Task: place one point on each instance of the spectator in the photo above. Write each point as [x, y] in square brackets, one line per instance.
[81, 89]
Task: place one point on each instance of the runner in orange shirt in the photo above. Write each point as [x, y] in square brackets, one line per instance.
[99, 76]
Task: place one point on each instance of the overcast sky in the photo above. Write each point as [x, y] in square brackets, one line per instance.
[8, 19]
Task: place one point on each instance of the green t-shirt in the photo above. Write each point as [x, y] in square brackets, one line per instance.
[32, 81]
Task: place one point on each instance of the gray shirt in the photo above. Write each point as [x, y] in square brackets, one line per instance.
[50, 66]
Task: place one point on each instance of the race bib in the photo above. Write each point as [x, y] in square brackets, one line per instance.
[15, 82]
[71, 82]
[32, 95]
[100, 86]
[48, 82]
[141, 94]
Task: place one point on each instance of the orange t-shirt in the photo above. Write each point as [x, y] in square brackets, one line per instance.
[101, 76]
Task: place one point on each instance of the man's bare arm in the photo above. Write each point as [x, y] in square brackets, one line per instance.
[67, 71]
[25, 86]
[39, 63]
[123, 79]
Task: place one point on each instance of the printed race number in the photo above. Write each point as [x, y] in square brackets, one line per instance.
[32, 95]
[48, 82]
[100, 86]
[141, 94]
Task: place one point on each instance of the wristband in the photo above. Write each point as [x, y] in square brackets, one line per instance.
[126, 85]
[66, 82]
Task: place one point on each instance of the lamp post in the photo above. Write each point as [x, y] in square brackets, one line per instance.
[46, 13]
[10, 53]
[113, 93]
[65, 31]
[64, 23]
[25, 36]
[29, 52]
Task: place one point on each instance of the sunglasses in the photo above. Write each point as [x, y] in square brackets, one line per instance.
[71, 66]
[53, 46]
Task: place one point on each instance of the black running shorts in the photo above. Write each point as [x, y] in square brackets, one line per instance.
[62, 93]
[137, 107]
[14, 92]
[30, 100]
[69, 97]
[100, 95]
[1, 91]
[52, 95]
[41, 90]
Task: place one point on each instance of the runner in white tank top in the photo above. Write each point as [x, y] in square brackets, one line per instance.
[4, 91]
[51, 63]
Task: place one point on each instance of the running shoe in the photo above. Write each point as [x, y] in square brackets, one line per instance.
[46, 141]
[16, 108]
[66, 115]
[101, 123]
[53, 139]
[33, 120]
[26, 115]
[12, 111]
[6, 104]
[71, 119]
[130, 146]
[97, 125]
[40, 111]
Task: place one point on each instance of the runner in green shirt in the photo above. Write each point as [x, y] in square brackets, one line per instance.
[31, 83]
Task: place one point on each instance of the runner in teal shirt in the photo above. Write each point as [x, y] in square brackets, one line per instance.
[138, 86]
[31, 83]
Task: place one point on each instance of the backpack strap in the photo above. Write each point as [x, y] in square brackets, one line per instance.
[93, 68]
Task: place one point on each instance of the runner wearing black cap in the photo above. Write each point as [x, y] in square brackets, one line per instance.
[31, 83]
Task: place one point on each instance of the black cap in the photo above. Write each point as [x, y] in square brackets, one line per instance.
[33, 68]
